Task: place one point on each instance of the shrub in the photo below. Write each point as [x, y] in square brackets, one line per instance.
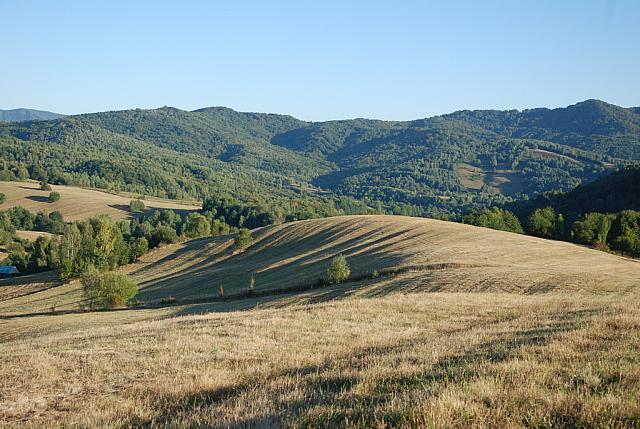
[136, 206]
[197, 226]
[54, 196]
[108, 290]
[338, 271]
[3, 198]
[252, 285]
[44, 186]
[163, 234]
[244, 238]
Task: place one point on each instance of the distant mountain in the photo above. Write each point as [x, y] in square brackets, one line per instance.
[436, 166]
[27, 115]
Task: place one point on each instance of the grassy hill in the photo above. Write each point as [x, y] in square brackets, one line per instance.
[409, 254]
[441, 165]
[79, 203]
[481, 328]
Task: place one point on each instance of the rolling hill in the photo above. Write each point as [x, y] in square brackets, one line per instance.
[408, 254]
[19, 115]
[460, 324]
[444, 165]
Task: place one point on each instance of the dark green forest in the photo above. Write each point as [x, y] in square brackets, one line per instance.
[604, 214]
[442, 166]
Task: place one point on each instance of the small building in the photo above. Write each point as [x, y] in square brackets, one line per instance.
[8, 271]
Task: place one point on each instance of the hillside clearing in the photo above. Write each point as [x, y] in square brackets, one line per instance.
[78, 203]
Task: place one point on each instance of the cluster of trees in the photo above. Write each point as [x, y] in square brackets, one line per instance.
[618, 231]
[98, 243]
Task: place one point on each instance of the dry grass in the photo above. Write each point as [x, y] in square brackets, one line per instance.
[553, 340]
[283, 256]
[78, 203]
[439, 360]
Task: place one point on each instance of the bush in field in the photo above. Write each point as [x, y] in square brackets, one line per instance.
[108, 290]
[136, 206]
[244, 238]
[338, 271]
[54, 196]
[44, 186]
[3, 198]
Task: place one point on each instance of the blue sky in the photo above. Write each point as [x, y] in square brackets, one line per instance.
[318, 60]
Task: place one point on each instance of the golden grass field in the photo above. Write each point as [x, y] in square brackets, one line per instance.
[78, 203]
[481, 329]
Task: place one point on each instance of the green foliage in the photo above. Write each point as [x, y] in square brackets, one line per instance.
[136, 206]
[495, 218]
[542, 223]
[276, 163]
[139, 246]
[593, 228]
[244, 238]
[338, 271]
[163, 234]
[53, 197]
[615, 192]
[44, 186]
[107, 290]
[3, 198]
[197, 225]
[251, 286]
[625, 232]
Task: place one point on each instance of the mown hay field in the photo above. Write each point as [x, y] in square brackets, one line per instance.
[79, 203]
[483, 329]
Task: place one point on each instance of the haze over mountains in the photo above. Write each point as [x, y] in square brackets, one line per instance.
[435, 166]
[27, 115]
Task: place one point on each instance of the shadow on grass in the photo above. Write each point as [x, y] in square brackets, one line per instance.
[328, 388]
[272, 259]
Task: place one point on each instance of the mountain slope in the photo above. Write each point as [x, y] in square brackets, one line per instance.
[613, 193]
[27, 115]
[436, 166]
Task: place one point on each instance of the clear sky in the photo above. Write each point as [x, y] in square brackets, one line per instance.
[320, 59]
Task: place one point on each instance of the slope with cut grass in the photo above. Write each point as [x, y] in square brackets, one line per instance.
[464, 326]
[79, 203]
[387, 254]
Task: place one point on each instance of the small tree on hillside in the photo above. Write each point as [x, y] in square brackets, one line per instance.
[108, 290]
[44, 186]
[251, 287]
[54, 196]
[244, 238]
[3, 198]
[136, 206]
[338, 271]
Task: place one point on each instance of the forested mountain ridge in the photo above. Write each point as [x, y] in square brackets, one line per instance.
[435, 166]
[27, 115]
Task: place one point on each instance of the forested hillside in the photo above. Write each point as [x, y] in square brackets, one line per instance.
[438, 166]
